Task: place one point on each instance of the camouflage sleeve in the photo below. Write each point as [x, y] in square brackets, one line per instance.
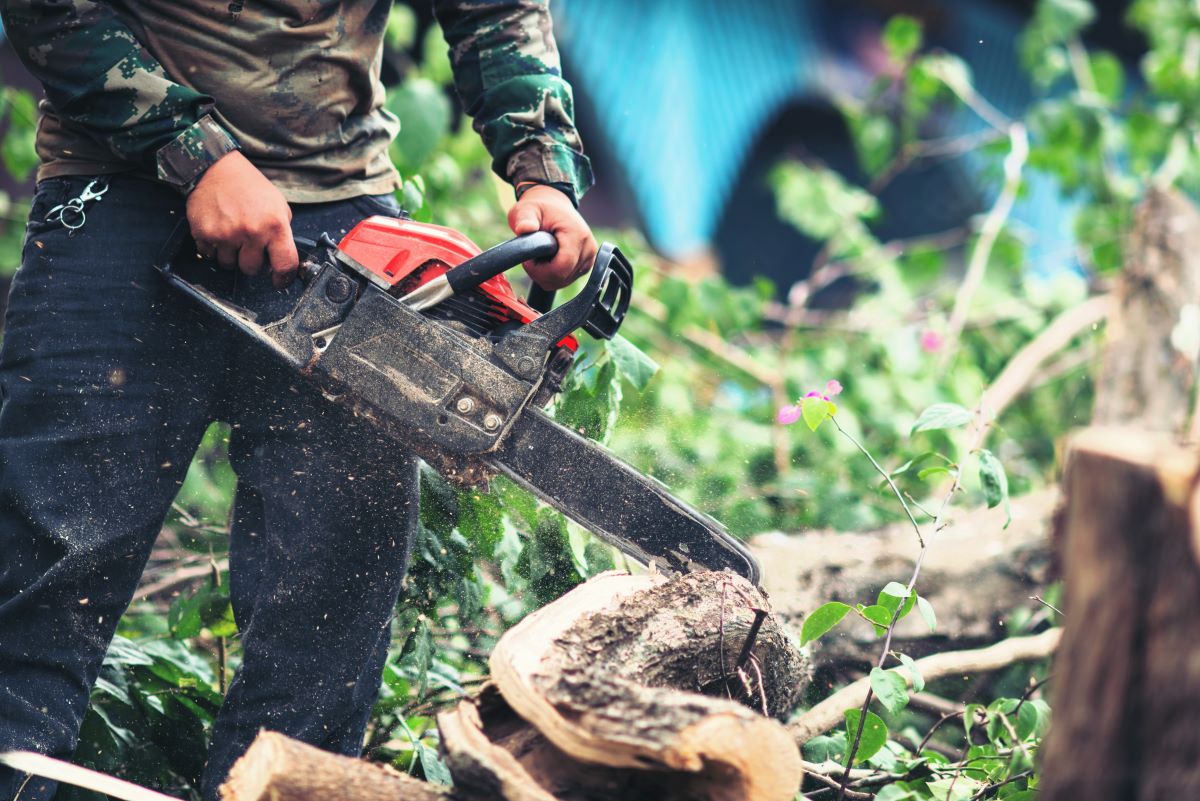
[507, 72]
[99, 78]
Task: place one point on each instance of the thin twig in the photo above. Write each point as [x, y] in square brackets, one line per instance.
[933, 729]
[887, 477]
[721, 640]
[1047, 604]
[832, 784]
[991, 788]
[982, 425]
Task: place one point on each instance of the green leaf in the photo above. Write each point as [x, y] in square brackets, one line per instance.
[938, 470]
[1019, 795]
[632, 363]
[432, 766]
[816, 411]
[890, 688]
[954, 788]
[1033, 718]
[918, 681]
[422, 654]
[18, 151]
[942, 415]
[878, 614]
[898, 598]
[926, 610]
[426, 112]
[823, 618]
[994, 482]
[1065, 18]
[899, 791]
[969, 714]
[874, 734]
[826, 748]
[901, 37]
[412, 196]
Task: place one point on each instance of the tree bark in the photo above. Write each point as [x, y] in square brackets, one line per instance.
[277, 768]
[1149, 369]
[1127, 686]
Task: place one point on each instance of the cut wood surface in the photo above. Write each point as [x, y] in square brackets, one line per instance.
[277, 768]
[1127, 690]
[613, 674]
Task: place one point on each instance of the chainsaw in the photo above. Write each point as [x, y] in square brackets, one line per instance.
[417, 330]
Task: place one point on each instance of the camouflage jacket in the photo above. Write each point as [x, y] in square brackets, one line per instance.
[166, 87]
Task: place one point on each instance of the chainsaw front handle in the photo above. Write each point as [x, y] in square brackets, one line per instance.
[538, 246]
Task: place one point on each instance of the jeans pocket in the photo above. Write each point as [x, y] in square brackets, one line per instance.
[50, 195]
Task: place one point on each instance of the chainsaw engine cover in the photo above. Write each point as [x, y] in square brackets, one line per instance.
[407, 254]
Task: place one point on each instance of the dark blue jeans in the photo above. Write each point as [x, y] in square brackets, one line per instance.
[108, 382]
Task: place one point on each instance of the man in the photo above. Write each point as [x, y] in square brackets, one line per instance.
[257, 120]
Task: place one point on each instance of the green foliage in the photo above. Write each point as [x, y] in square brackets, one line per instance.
[942, 415]
[151, 709]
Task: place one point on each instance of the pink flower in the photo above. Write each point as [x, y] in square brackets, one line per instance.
[931, 341]
[788, 415]
[834, 387]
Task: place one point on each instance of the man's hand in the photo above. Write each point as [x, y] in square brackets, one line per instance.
[544, 208]
[241, 219]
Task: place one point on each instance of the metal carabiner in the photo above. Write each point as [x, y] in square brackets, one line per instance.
[71, 214]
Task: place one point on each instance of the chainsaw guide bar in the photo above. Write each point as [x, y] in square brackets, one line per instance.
[461, 381]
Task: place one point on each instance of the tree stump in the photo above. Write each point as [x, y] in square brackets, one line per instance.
[1148, 373]
[1126, 722]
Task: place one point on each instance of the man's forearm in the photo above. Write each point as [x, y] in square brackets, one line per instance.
[101, 80]
[508, 74]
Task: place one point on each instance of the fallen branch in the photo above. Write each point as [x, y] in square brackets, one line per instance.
[1022, 369]
[179, 577]
[830, 712]
[989, 232]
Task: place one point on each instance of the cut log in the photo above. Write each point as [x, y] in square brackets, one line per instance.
[975, 575]
[614, 674]
[277, 768]
[1149, 370]
[1127, 686]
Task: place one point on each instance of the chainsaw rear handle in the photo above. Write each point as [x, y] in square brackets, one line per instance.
[538, 246]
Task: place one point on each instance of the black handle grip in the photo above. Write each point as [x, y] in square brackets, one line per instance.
[541, 300]
[471, 273]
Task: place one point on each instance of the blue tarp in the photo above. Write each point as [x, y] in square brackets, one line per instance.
[682, 88]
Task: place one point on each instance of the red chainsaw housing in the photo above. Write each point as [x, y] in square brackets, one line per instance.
[407, 254]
